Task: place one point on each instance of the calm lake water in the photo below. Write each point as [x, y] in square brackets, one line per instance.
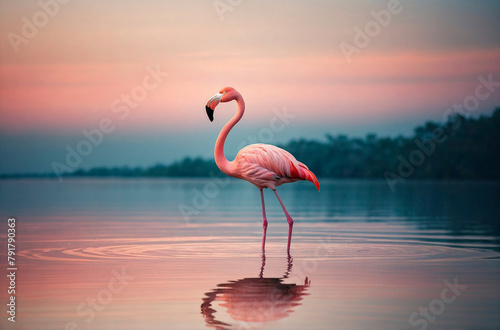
[186, 254]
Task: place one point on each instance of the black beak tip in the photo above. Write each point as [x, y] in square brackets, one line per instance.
[210, 113]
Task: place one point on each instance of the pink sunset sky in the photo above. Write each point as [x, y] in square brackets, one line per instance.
[67, 65]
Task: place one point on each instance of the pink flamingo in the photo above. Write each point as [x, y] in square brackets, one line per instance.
[264, 165]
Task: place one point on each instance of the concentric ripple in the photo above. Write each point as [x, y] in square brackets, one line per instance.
[196, 247]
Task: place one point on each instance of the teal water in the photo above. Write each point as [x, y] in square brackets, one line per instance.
[185, 254]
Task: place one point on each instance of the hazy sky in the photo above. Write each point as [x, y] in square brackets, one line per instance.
[142, 71]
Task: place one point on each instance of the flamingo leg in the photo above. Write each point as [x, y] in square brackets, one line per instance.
[264, 221]
[288, 218]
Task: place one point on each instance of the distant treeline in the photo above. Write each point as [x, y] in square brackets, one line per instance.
[188, 167]
[461, 148]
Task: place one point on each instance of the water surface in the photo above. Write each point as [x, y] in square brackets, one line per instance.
[185, 254]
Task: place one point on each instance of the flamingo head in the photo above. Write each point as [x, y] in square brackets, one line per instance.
[224, 95]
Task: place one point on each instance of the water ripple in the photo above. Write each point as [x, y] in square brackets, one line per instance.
[332, 247]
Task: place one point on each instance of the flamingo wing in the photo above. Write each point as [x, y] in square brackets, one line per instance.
[266, 166]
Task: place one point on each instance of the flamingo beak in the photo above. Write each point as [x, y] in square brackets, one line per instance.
[210, 113]
[212, 103]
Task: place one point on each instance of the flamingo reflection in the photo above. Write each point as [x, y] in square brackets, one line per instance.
[254, 300]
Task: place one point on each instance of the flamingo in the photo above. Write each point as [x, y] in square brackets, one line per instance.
[264, 165]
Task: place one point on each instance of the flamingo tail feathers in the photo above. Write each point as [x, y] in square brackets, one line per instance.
[306, 174]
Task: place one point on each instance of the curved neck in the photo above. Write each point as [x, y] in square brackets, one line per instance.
[220, 159]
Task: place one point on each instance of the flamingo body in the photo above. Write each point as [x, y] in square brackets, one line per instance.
[267, 166]
[264, 165]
